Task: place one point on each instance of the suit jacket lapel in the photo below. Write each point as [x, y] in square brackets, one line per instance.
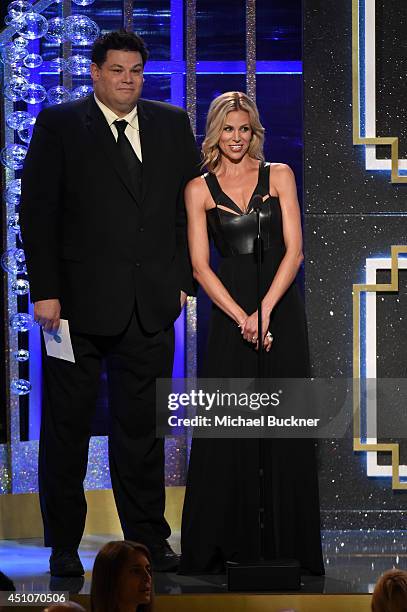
[149, 145]
[98, 126]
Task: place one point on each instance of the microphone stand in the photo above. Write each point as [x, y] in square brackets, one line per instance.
[258, 253]
[260, 574]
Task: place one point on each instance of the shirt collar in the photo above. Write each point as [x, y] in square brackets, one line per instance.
[111, 117]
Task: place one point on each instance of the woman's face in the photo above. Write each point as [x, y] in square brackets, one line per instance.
[236, 135]
[135, 583]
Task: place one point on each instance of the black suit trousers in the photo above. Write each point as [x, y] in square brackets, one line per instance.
[134, 360]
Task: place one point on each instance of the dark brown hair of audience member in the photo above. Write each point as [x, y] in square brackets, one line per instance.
[68, 605]
[390, 594]
[6, 584]
[121, 578]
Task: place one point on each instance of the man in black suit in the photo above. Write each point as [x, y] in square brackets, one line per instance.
[103, 226]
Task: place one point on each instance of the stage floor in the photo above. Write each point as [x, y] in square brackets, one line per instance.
[353, 562]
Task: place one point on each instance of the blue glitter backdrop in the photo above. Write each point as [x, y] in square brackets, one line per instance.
[221, 38]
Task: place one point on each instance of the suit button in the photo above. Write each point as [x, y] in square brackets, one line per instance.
[141, 229]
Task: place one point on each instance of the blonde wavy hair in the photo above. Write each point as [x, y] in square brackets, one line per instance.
[216, 119]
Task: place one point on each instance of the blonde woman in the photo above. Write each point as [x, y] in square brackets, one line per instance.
[221, 510]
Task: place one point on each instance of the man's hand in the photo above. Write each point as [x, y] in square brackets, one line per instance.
[182, 298]
[47, 314]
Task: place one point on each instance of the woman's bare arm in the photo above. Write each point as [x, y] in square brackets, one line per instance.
[282, 178]
[196, 197]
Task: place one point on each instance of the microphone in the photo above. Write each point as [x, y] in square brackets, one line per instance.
[257, 202]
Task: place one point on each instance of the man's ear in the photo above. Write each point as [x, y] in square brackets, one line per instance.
[94, 71]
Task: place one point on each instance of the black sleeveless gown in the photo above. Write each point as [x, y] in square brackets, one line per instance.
[220, 516]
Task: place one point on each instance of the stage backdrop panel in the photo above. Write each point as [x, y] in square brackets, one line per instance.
[337, 179]
[353, 215]
[199, 49]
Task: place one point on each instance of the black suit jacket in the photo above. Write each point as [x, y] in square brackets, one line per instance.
[89, 240]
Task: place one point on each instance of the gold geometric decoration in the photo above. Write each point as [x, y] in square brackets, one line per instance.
[392, 141]
[358, 445]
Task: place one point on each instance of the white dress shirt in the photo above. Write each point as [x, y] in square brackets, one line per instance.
[132, 129]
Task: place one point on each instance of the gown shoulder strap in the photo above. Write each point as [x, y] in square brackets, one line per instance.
[264, 178]
[213, 186]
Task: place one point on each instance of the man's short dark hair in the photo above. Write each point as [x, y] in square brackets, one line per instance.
[118, 41]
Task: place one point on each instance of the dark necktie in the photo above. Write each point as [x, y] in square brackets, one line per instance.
[132, 162]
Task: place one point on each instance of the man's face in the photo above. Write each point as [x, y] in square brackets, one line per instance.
[119, 81]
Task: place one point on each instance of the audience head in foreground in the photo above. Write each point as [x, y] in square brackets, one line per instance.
[6, 584]
[390, 594]
[69, 605]
[121, 579]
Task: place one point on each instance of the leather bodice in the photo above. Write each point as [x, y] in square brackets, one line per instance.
[234, 232]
